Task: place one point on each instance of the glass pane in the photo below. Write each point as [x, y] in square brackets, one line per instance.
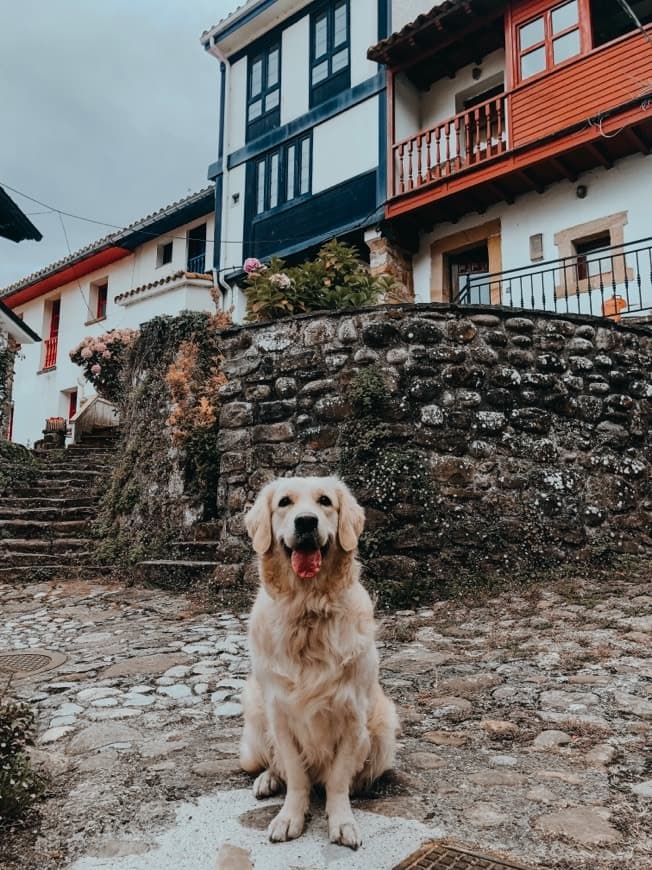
[320, 72]
[260, 184]
[532, 33]
[304, 184]
[564, 16]
[533, 63]
[273, 181]
[256, 77]
[255, 110]
[321, 36]
[340, 34]
[272, 68]
[271, 101]
[566, 46]
[340, 60]
[290, 170]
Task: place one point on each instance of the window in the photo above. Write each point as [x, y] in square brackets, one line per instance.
[330, 51]
[164, 254]
[51, 343]
[197, 249]
[590, 266]
[264, 91]
[102, 295]
[283, 175]
[549, 39]
[99, 295]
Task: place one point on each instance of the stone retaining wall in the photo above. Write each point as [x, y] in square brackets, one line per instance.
[533, 432]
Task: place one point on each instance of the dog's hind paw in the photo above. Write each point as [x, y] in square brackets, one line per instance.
[286, 827]
[266, 785]
[345, 833]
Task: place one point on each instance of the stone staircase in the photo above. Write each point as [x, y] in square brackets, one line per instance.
[45, 526]
[193, 562]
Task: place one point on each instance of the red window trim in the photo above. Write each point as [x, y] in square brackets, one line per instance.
[583, 26]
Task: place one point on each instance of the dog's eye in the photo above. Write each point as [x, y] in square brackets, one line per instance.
[324, 499]
[285, 501]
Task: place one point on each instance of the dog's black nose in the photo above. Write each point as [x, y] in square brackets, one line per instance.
[305, 524]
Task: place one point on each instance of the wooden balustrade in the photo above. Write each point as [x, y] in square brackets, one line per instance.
[455, 144]
[50, 359]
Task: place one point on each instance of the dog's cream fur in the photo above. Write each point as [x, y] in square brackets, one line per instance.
[314, 710]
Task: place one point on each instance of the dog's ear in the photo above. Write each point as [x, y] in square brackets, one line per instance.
[351, 518]
[259, 520]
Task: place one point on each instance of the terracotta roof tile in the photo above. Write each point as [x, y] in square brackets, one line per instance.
[168, 279]
[112, 239]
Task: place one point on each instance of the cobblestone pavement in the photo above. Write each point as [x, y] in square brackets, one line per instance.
[526, 719]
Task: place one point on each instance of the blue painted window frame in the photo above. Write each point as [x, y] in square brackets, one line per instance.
[268, 118]
[335, 79]
[286, 175]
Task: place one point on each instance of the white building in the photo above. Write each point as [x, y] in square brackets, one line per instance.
[158, 265]
[519, 134]
[301, 154]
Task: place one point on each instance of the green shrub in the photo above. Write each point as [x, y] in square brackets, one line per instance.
[17, 466]
[336, 278]
[20, 785]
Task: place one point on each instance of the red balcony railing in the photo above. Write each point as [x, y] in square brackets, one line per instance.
[50, 359]
[456, 144]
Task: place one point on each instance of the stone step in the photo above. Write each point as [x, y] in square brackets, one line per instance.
[36, 545]
[50, 487]
[41, 529]
[74, 473]
[40, 573]
[17, 558]
[45, 512]
[174, 573]
[72, 501]
[195, 551]
[54, 491]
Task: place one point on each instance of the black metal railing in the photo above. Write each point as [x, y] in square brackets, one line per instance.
[197, 264]
[610, 282]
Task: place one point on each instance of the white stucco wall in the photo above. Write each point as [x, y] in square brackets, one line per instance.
[405, 11]
[622, 188]
[345, 146]
[38, 396]
[295, 61]
[236, 121]
[441, 101]
[364, 33]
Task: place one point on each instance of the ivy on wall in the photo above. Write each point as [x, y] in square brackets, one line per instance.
[165, 478]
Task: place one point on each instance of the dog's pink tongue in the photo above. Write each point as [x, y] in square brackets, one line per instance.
[306, 565]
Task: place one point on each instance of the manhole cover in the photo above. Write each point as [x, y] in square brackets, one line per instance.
[20, 664]
[439, 856]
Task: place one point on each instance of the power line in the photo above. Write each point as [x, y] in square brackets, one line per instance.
[153, 234]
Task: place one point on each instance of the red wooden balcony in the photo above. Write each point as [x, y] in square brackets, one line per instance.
[51, 345]
[457, 143]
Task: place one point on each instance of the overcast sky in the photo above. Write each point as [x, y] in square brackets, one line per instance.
[108, 109]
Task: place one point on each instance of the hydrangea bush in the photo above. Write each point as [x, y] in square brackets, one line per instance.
[336, 278]
[102, 358]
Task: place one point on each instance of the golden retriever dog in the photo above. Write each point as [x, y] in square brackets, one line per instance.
[314, 710]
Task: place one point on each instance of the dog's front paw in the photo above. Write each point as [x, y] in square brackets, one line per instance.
[344, 832]
[266, 785]
[286, 826]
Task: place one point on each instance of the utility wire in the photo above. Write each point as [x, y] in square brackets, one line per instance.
[153, 234]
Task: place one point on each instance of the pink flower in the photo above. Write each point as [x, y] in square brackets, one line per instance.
[281, 280]
[86, 353]
[106, 354]
[100, 347]
[96, 369]
[251, 265]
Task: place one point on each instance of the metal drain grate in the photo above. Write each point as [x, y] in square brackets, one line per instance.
[439, 856]
[20, 663]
